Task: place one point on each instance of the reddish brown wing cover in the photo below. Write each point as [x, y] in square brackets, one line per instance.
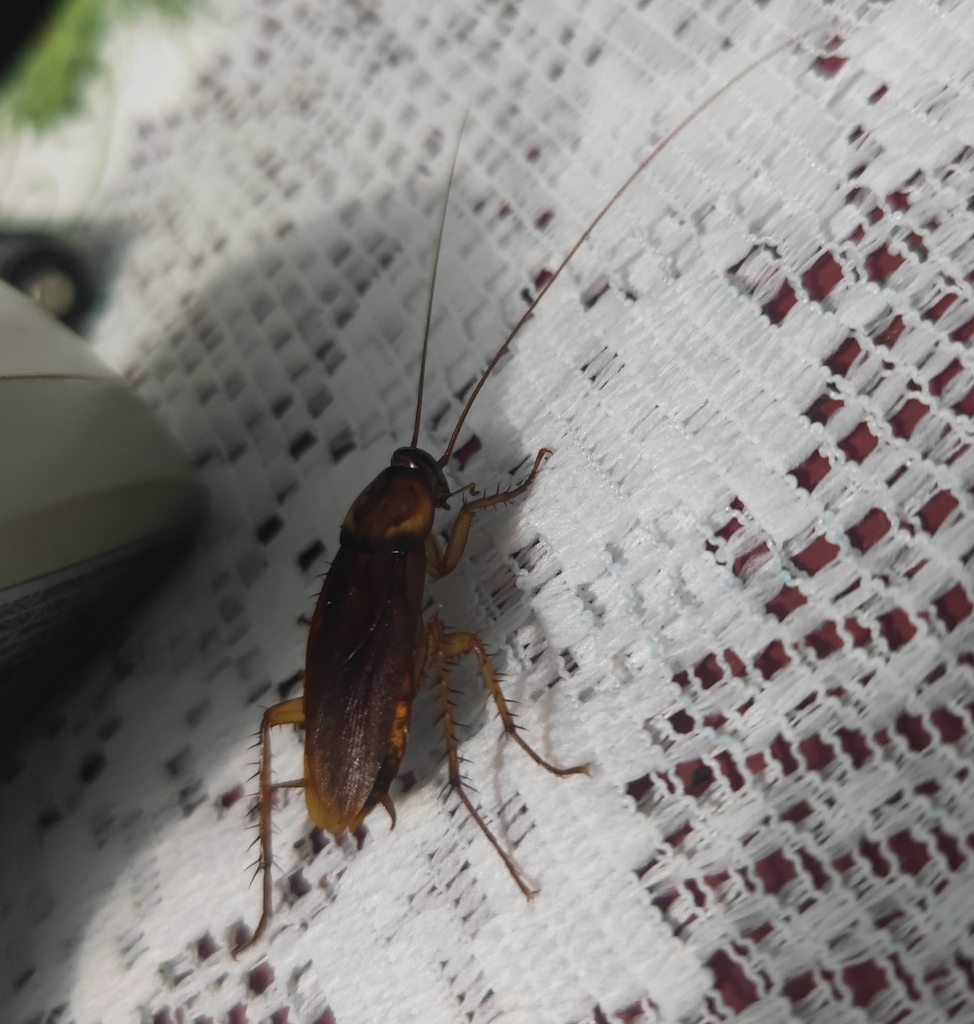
[361, 648]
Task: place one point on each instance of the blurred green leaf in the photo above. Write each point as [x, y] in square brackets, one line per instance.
[47, 83]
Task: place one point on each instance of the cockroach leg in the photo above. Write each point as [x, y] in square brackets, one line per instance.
[453, 645]
[288, 712]
[440, 563]
[386, 801]
[470, 488]
[441, 670]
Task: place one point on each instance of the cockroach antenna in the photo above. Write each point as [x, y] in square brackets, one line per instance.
[429, 304]
[660, 146]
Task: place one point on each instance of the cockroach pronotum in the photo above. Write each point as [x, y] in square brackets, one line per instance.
[369, 648]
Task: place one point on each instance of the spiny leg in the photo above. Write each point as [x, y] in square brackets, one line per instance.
[441, 671]
[453, 645]
[441, 563]
[289, 712]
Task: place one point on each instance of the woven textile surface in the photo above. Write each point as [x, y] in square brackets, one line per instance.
[740, 587]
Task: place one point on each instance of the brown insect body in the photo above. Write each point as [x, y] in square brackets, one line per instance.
[361, 672]
[369, 648]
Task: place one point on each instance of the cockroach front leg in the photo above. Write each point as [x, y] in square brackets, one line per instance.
[445, 647]
[288, 712]
[441, 563]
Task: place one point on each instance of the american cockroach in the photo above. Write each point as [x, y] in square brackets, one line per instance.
[369, 648]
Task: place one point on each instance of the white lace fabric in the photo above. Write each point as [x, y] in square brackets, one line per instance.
[740, 588]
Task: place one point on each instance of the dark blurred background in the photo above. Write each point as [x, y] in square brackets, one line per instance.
[19, 23]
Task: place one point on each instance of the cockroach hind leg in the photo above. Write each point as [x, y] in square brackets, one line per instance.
[242, 947]
[452, 646]
[289, 712]
[440, 642]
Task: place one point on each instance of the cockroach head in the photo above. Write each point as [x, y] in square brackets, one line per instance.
[416, 458]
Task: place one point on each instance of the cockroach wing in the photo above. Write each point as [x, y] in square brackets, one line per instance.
[361, 649]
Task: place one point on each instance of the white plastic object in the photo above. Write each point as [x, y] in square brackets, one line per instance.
[94, 496]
